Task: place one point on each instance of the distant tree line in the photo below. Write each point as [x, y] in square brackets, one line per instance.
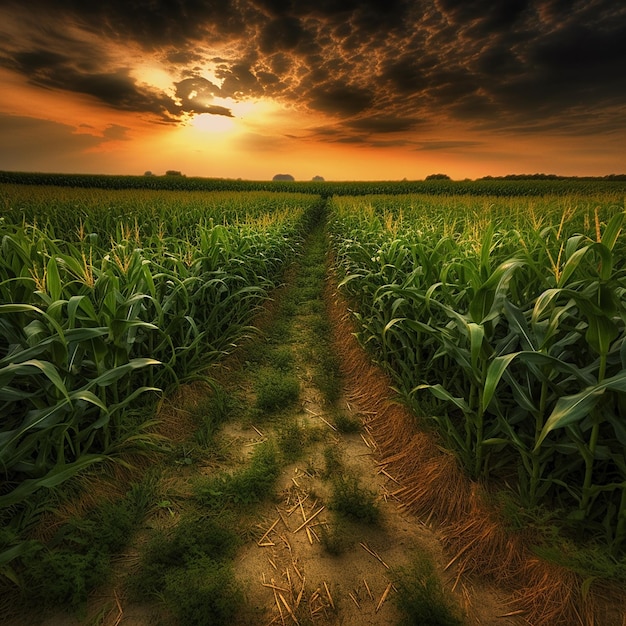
[514, 185]
[617, 177]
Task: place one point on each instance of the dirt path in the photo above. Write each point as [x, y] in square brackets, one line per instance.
[328, 541]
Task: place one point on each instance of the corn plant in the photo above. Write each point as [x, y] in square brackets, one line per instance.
[513, 320]
[107, 299]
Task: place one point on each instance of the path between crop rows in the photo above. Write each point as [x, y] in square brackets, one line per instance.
[303, 561]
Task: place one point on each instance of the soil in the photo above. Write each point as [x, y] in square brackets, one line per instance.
[287, 571]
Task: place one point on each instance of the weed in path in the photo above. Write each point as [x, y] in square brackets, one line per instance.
[281, 358]
[353, 501]
[206, 593]
[336, 538]
[194, 537]
[346, 423]
[280, 332]
[333, 461]
[77, 558]
[421, 597]
[292, 438]
[211, 413]
[276, 390]
[249, 485]
[187, 567]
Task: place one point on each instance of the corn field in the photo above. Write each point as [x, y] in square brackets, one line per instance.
[498, 308]
[106, 299]
[502, 322]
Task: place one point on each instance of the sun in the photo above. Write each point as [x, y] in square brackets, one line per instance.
[208, 122]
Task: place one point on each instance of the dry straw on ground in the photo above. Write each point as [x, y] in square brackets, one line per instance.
[434, 487]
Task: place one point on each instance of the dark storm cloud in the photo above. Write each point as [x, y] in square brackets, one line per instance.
[196, 93]
[115, 132]
[376, 67]
[446, 145]
[116, 88]
[27, 143]
[339, 99]
[383, 124]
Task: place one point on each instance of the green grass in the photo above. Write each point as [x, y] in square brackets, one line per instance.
[292, 439]
[421, 598]
[188, 568]
[249, 485]
[281, 359]
[211, 413]
[336, 538]
[62, 572]
[275, 390]
[353, 501]
[62, 577]
[193, 538]
[346, 423]
[205, 593]
[333, 461]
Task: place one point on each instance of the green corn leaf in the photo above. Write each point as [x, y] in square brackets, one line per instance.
[571, 409]
[612, 230]
[132, 397]
[494, 373]
[490, 296]
[601, 332]
[113, 375]
[348, 279]
[53, 280]
[442, 394]
[606, 260]
[477, 336]
[496, 441]
[518, 322]
[8, 372]
[486, 248]
[543, 303]
[53, 478]
[20, 308]
[389, 324]
[90, 397]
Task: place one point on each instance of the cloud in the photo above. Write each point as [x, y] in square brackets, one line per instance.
[116, 132]
[384, 124]
[371, 68]
[446, 145]
[27, 143]
[196, 95]
[340, 99]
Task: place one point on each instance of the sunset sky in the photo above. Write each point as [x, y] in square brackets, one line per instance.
[375, 90]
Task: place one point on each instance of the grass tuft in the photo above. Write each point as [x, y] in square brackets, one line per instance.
[249, 485]
[77, 559]
[335, 538]
[211, 414]
[422, 599]
[346, 424]
[333, 461]
[276, 391]
[206, 592]
[291, 440]
[353, 501]
[187, 568]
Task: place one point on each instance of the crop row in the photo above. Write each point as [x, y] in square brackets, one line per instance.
[93, 325]
[504, 323]
[532, 186]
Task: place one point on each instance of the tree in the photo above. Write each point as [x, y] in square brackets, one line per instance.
[283, 177]
[438, 177]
